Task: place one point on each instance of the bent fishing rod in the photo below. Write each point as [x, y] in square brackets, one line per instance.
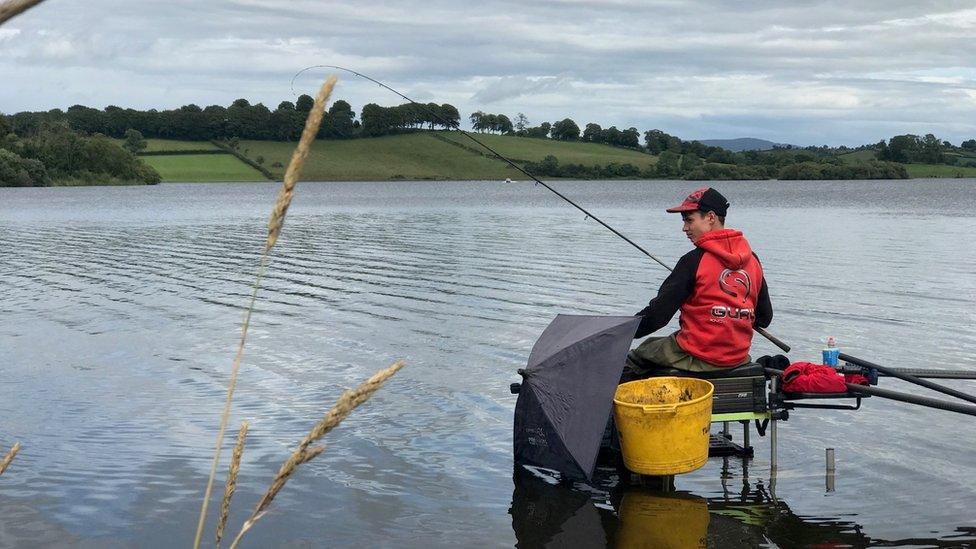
[455, 125]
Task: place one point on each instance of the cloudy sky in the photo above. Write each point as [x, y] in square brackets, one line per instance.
[799, 72]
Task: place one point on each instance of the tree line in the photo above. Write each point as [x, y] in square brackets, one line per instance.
[671, 165]
[191, 123]
[563, 130]
[912, 149]
[240, 120]
[377, 120]
[243, 120]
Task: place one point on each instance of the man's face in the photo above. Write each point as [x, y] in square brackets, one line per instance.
[696, 224]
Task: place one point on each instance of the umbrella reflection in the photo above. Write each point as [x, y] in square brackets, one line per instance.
[548, 514]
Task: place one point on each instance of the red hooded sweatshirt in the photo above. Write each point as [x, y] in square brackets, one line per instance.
[717, 318]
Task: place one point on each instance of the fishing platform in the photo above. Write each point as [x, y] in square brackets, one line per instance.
[571, 384]
[752, 396]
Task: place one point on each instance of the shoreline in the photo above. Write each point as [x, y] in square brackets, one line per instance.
[500, 182]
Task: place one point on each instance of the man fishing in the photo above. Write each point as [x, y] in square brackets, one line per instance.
[720, 290]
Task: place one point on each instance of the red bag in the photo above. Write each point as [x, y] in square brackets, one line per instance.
[807, 377]
[856, 379]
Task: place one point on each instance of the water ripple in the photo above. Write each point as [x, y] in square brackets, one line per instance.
[122, 307]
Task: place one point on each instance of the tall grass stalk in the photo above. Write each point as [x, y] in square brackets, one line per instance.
[274, 229]
[231, 485]
[9, 457]
[297, 161]
[13, 8]
[306, 452]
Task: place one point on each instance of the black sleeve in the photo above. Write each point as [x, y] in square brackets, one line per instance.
[764, 307]
[674, 291]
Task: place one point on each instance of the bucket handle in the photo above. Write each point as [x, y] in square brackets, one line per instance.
[660, 410]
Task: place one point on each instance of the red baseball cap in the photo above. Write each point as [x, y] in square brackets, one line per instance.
[705, 199]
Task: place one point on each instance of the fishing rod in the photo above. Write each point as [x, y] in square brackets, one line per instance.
[457, 126]
[906, 376]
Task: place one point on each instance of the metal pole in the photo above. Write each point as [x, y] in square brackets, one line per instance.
[958, 407]
[830, 470]
[928, 373]
[724, 476]
[773, 387]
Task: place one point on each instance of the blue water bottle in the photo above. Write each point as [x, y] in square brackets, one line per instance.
[831, 354]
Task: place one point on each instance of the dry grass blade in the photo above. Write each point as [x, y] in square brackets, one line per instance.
[277, 220]
[13, 8]
[306, 452]
[235, 466]
[9, 457]
[297, 161]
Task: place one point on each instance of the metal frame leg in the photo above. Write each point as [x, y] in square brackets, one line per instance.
[772, 434]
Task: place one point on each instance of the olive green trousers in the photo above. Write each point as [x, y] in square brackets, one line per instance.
[655, 353]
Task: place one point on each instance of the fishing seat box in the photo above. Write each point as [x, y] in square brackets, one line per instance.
[738, 390]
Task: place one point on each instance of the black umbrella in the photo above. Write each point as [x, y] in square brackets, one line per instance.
[567, 392]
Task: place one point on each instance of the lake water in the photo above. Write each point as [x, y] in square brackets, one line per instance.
[121, 309]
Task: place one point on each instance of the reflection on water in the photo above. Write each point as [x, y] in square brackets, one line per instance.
[624, 511]
[614, 513]
[652, 519]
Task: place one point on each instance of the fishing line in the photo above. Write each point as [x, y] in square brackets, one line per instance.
[456, 126]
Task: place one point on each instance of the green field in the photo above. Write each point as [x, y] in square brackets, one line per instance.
[858, 156]
[424, 156]
[418, 156]
[153, 145]
[202, 167]
[535, 149]
[156, 145]
[411, 156]
[939, 170]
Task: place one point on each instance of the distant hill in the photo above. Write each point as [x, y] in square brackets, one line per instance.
[740, 144]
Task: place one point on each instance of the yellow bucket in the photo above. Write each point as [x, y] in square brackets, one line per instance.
[663, 424]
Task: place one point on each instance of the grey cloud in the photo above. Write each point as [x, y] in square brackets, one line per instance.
[513, 87]
[818, 72]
